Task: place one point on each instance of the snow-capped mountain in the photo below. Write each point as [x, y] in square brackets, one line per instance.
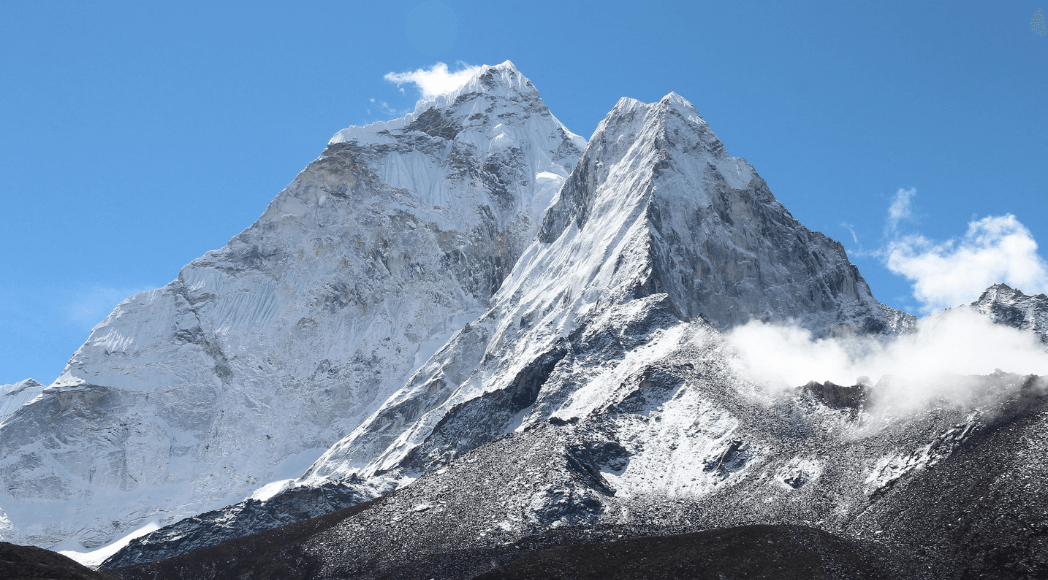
[657, 236]
[485, 335]
[262, 354]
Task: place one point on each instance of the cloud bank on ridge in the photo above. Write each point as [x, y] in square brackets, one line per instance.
[954, 272]
[939, 360]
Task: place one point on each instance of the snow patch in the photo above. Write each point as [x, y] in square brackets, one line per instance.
[269, 490]
[94, 558]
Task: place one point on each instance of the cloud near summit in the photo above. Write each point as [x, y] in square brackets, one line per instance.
[435, 80]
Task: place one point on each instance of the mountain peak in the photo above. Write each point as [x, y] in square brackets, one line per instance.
[284, 341]
[672, 99]
[999, 288]
[495, 98]
[656, 230]
[656, 233]
[627, 106]
[496, 80]
[504, 65]
[721, 246]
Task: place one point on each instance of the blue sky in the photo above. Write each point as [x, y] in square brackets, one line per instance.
[136, 137]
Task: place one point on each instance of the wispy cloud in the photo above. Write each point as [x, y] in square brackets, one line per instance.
[900, 210]
[851, 230]
[435, 80]
[946, 274]
[950, 354]
[89, 305]
[385, 108]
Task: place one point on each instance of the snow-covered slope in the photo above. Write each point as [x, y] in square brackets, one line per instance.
[1010, 307]
[686, 452]
[686, 445]
[262, 354]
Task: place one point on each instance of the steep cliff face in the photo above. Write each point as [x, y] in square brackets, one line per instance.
[262, 354]
[718, 242]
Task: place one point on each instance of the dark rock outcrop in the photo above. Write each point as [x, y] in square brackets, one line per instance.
[32, 563]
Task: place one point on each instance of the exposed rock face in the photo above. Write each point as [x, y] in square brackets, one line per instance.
[717, 241]
[837, 396]
[217, 526]
[1009, 306]
[262, 354]
[980, 511]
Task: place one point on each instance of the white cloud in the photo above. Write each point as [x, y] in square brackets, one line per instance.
[942, 359]
[851, 230]
[946, 274]
[90, 305]
[950, 354]
[900, 209]
[385, 108]
[436, 80]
